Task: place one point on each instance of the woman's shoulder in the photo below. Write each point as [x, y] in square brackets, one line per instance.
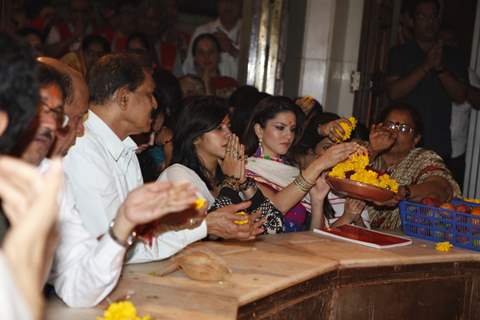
[422, 154]
[176, 172]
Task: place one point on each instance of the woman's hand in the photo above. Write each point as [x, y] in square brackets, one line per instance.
[320, 189]
[338, 153]
[351, 213]
[221, 223]
[381, 139]
[333, 129]
[353, 208]
[233, 164]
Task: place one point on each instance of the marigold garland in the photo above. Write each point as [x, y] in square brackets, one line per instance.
[356, 167]
[443, 246]
[347, 128]
[123, 310]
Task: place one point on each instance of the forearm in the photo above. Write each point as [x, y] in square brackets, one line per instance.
[318, 217]
[436, 187]
[456, 89]
[403, 86]
[287, 198]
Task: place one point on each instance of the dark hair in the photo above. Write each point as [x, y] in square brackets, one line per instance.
[96, 39]
[18, 88]
[167, 90]
[267, 109]
[112, 72]
[142, 37]
[199, 115]
[310, 137]
[203, 36]
[412, 5]
[243, 102]
[414, 114]
[48, 75]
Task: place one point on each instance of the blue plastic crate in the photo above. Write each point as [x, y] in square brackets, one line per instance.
[438, 224]
[457, 201]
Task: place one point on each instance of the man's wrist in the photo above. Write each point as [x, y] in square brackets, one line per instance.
[121, 230]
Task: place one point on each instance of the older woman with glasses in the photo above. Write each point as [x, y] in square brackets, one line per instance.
[420, 173]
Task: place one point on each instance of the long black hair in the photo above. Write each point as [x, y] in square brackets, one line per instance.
[198, 116]
[267, 109]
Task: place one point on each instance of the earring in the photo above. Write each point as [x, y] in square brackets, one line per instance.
[259, 152]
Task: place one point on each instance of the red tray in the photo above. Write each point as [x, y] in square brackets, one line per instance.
[365, 237]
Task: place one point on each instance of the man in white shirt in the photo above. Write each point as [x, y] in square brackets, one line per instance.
[75, 106]
[227, 31]
[102, 167]
[85, 269]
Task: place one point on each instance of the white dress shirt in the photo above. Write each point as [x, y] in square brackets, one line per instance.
[85, 270]
[12, 304]
[102, 170]
[228, 65]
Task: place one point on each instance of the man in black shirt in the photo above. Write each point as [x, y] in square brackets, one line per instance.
[429, 76]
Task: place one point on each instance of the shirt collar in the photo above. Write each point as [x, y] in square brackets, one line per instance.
[111, 141]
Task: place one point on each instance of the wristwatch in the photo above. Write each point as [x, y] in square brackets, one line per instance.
[112, 235]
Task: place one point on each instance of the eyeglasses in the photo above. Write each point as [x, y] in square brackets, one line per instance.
[400, 127]
[61, 117]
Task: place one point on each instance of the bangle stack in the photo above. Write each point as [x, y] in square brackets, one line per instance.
[302, 183]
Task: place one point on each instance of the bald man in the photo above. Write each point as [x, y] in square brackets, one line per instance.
[75, 107]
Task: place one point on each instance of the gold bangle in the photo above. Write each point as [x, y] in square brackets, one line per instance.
[302, 183]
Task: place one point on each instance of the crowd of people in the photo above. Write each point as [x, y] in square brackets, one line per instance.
[99, 143]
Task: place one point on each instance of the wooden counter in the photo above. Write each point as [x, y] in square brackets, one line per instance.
[303, 276]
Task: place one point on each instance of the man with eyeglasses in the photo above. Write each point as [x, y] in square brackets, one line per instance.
[75, 106]
[429, 76]
[50, 115]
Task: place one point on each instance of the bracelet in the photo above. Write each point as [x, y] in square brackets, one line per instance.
[229, 182]
[112, 235]
[249, 183]
[302, 183]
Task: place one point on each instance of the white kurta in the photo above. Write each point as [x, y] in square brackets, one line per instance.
[101, 170]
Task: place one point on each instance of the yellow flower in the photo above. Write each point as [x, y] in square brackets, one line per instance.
[443, 246]
[123, 310]
[471, 200]
[347, 128]
[200, 203]
[357, 164]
